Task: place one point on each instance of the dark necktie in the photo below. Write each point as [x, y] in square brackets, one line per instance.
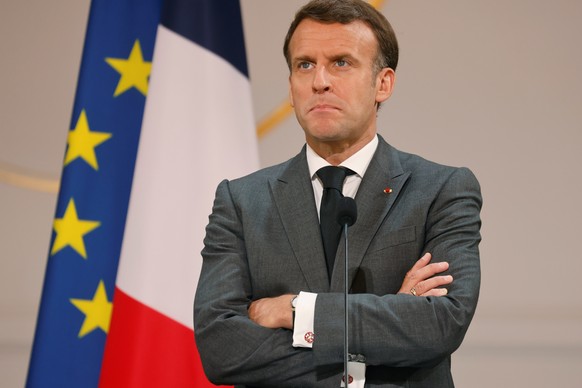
[333, 180]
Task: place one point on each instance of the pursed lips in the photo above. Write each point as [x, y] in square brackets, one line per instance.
[323, 108]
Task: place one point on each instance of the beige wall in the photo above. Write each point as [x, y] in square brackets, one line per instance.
[494, 86]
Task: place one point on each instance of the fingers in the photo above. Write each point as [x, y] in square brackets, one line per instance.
[430, 287]
[422, 262]
[427, 271]
[255, 311]
[436, 292]
[422, 279]
[422, 270]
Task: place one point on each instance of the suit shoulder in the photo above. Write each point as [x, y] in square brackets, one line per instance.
[418, 165]
[257, 181]
[262, 175]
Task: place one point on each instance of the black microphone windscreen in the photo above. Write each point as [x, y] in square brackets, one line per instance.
[347, 211]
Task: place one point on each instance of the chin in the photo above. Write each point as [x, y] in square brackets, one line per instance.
[326, 132]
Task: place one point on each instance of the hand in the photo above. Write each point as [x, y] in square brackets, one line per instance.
[273, 313]
[421, 279]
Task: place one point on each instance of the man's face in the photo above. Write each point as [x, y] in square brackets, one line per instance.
[332, 86]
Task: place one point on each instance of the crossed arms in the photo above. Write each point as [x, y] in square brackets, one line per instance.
[422, 280]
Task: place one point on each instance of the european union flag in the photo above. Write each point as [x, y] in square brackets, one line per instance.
[98, 168]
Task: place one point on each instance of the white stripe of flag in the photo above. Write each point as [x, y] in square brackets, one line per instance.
[198, 129]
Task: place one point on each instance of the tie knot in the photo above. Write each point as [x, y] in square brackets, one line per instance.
[333, 177]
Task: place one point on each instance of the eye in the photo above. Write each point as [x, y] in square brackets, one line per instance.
[304, 65]
[341, 63]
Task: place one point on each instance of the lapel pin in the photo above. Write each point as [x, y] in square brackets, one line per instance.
[387, 190]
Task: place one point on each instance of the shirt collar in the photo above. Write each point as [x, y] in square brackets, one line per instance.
[358, 162]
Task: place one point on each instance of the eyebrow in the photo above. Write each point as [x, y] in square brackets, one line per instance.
[336, 57]
[302, 58]
[349, 57]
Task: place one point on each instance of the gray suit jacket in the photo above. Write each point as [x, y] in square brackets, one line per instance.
[263, 240]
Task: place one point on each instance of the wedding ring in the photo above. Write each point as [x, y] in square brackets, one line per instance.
[413, 291]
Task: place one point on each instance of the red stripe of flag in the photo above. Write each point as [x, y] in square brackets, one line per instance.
[139, 335]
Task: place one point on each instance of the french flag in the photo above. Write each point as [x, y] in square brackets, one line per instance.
[198, 128]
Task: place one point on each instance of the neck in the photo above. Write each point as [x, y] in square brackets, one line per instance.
[336, 152]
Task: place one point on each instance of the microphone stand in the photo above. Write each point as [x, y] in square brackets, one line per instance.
[346, 374]
[347, 214]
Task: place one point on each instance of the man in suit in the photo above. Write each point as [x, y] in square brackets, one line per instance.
[268, 312]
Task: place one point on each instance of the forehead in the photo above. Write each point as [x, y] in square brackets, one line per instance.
[312, 37]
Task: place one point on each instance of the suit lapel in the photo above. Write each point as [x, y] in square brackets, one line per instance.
[293, 196]
[384, 173]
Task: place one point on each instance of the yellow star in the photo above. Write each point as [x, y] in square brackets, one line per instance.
[97, 311]
[70, 231]
[134, 71]
[82, 142]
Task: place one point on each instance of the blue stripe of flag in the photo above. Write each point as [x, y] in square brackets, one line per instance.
[60, 358]
[214, 25]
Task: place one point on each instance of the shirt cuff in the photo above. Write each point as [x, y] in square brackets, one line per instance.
[303, 335]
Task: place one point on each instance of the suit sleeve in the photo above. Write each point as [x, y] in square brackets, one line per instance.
[406, 331]
[233, 349]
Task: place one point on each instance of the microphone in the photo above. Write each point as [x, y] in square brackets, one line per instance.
[347, 211]
[346, 216]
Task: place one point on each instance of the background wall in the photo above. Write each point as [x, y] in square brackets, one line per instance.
[494, 86]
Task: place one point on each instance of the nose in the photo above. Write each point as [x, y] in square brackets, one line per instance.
[321, 80]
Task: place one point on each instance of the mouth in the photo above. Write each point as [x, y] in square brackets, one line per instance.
[323, 108]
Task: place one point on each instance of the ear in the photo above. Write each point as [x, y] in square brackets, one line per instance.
[291, 94]
[385, 83]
